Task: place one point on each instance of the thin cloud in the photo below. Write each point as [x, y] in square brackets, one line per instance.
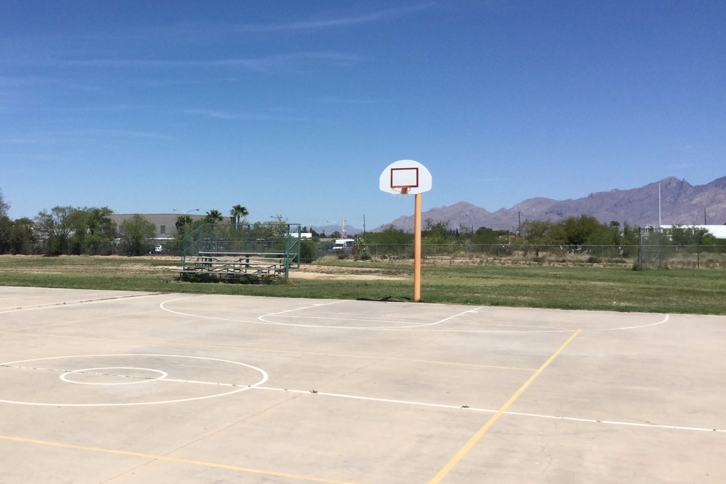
[256, 64]
[205, 31]
[132, 134]
[210, 113]
[223, 115]
[55, 137]
[28, 141]
[87, 44]
[336, 22]
[349, 101]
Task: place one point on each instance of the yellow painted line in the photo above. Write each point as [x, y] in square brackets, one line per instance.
[174, 460]
[477, 436]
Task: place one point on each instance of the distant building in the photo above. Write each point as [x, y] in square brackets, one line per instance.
[165, 223]
[718, 231]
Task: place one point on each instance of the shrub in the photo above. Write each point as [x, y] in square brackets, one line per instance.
[308, 251]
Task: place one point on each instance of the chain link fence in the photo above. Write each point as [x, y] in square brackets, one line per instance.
[661, 249]
[651, 252]
[244, 238]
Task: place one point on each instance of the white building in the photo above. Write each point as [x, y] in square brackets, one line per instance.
[718, 231]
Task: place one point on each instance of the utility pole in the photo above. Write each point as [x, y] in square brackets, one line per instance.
[519, 222]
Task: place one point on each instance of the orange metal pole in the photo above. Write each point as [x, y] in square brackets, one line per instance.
[417, 250]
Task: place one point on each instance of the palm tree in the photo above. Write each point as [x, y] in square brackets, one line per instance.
[238, 213]
[182, 222]
[213, 216]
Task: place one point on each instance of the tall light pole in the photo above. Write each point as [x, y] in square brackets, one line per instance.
[188, 211]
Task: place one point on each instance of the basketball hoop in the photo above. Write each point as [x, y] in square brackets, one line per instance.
[408, 177]
[405, 177]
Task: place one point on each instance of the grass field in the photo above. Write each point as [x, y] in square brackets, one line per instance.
[565, 287]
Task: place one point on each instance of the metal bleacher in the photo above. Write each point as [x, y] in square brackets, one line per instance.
[240, 253]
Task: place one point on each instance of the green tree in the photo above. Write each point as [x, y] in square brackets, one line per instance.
[360, 249]
[55, 230]
[279, 226]
[390, 236]
[92, 231]
[436, 229]
[487, 236]
[4, 206]
[213, 216]
[539, 232]
[6, 227]
[16, 237]
[683, 236]
[183, 224]
[137, 232]
[391, 241]
[238, 214]
[628, 241]
[101, 231]
[308, 251]
[582, 230]
[22, 237]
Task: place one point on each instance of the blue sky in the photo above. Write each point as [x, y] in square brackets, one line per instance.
[295, 107]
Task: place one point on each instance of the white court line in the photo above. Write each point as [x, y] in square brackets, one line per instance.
[404, 325]
[484, 410]
[637, 327]
[364, 328]
[332, 318]
[133, 380]
[65, 304]
[304, 307]
[371, 399]
[613, 422]
[163, 307]
[93, 371]
[236, 387]
[261, 320]
[451, 330]
[528, 331]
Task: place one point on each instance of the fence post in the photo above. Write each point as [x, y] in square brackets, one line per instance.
[698, 255]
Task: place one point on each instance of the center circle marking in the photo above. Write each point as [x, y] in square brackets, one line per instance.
[104, 372]
[73, 375]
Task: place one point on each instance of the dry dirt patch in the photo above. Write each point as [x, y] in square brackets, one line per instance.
[341, 273]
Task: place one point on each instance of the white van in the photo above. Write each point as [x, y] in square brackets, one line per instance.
[343, 245]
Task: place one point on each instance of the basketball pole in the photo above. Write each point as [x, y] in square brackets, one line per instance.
[408, 177]
[417, 250]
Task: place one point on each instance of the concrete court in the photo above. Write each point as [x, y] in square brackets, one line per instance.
[121, 388]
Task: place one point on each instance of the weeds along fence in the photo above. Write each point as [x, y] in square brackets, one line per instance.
[666, 249]
[647, 254]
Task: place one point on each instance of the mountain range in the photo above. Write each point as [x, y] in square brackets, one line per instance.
[668, 202]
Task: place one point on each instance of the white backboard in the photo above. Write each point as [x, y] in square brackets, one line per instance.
[405, 177]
